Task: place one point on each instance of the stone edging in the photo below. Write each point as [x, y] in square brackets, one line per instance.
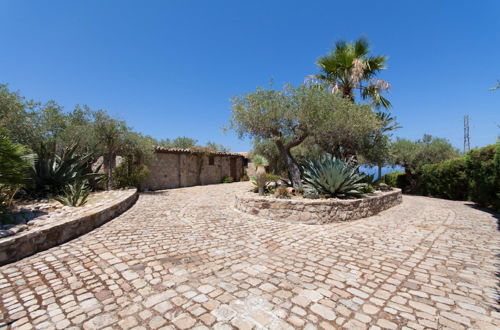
[317, 211]
[26, 243]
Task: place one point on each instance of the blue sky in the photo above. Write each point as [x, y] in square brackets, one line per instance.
[169, 68]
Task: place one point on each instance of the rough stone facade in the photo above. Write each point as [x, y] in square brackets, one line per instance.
[174, 168]
[317, 211]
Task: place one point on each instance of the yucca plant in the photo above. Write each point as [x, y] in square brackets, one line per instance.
[260, 163]
[271, 181]
[75, 194]
[52, 173]
[332, 177]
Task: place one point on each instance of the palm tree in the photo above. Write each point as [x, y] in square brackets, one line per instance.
[349, 67]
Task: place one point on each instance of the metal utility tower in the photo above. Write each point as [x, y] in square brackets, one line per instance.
[466, 134]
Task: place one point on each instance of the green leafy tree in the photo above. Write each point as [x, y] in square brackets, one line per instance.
[413, 155]
[289, 116]
[111, 134]
[344, 128]
[284, 117]
[376, 147]
[350, 67]
[181, 142]
[212, 146]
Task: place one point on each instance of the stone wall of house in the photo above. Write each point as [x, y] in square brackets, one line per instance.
[174, 170]
[320, 211]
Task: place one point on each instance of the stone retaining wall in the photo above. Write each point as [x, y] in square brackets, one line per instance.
[317, 211]
[26, 243]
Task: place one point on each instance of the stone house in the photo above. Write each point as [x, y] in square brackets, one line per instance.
[174, 168]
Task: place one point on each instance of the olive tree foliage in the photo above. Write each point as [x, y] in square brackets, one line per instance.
[181, 142]
[184, 142]
[376, 147]
[42, 127]
[290, 116]
[413, 155]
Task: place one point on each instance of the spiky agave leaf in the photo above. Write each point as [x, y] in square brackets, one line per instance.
[333, 177]
[75, 194]
[53, 172]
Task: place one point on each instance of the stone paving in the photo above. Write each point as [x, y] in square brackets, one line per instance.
[186, 258]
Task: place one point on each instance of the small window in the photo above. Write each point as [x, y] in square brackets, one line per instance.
[211, 160]
[245, 162]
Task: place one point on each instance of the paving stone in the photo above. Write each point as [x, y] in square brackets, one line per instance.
[184, 258]
[323, 311]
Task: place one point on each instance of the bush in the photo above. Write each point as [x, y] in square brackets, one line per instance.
[228, 179]
[445, 180]
[482, 167]
[395, 179]
[367, 189]
[128, 175]
[15, 167]
[332, 177]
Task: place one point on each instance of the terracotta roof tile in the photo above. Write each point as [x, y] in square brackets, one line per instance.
[189, 151]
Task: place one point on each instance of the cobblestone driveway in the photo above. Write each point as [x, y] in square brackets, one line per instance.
[184, 258]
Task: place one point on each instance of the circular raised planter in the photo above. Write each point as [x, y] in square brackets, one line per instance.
[317, 211]
[23, 244]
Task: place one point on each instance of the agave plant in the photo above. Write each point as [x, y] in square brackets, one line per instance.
[52, 173]
[332, 177]
[75, 194]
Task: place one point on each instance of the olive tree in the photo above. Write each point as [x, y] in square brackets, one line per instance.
[412, 155]
[289, 116]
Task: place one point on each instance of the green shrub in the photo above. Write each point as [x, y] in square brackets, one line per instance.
[15, 166]
[75, 194]
[128, 175]
[15, 163]
[228, 179]
[332, 177]
[445, 180]
[395, 179]
[482, 167]
[367, 189]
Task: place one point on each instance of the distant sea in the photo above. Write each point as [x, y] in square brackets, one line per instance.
[386, 169]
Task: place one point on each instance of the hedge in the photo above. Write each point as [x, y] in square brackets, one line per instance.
[395, 179]
[474, 176]
[445, 180]
[482, 168]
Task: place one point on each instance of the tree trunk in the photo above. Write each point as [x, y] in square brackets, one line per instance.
[292, 166]
[110, 171]
[379, 176]
[347, 93]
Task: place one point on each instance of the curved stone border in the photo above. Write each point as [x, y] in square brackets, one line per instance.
[26, 243]
[317, 211]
